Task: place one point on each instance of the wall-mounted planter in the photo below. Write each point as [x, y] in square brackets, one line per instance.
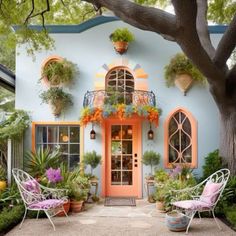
[121, 46]
[57, 71]
[183, 82]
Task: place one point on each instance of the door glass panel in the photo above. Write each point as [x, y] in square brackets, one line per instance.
[127, 163]
[115, 178]
[116, 147]
[115, 162]
[127, 147]
[121, 155]
[127, 178]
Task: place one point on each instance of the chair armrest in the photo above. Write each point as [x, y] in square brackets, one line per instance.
[54, 192]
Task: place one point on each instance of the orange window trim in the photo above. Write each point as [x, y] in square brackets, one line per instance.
[34, 124]
[193, 123]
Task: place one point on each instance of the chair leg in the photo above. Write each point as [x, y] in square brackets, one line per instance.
[190, 221]
[23, 218]
[199, 215]
[49, 217]
[37, 215]
[216, 220]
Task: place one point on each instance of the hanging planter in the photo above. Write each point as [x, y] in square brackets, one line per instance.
[58, 99]
[120, 39]
[57, 71]
[182, 73]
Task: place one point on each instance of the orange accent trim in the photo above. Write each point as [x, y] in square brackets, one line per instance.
[34, 123]
[140, 73]
[193, 123]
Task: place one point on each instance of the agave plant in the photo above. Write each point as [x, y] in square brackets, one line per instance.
[36, 163]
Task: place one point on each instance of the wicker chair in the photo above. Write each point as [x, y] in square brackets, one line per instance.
[39, 198]
[204, 196]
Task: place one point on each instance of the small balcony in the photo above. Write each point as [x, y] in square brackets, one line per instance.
[99, 98]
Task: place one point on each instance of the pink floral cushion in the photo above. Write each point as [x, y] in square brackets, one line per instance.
[210, 192]
[32, 186]
[47, 204]
[191, 204]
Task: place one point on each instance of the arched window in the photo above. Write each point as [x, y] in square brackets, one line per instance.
[120, 82]
[180, 139]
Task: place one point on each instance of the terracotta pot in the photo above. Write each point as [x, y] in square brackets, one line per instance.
[66, 208]
[183, 82]
[76, 206]
[160, 206]
[176, 221]
[121, 46]
[3, 185]
[55, 82]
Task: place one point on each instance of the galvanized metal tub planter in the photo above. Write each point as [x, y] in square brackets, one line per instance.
[176, 221]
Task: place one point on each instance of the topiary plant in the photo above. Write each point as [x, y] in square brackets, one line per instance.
[57, 98]
[180, 64]
[151, 158]
[92, 159]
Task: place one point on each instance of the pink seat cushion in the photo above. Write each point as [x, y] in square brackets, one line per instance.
[210, 192]
[32, 186]
[192, 204]
[47, 204]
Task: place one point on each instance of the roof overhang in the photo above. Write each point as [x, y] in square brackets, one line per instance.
[7, 78]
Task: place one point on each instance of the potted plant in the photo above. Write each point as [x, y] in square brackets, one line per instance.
[151, 158]
[121, 38]
[57, 70]
[161, 176]
[160, 199]
[181, 72]
[3, 177]
[57, 98]
[93, 160]
[79, 189]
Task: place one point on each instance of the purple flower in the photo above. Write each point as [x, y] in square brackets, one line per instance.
[54, 175]
[176, 171]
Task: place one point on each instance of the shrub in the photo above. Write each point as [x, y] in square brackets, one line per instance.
[151, 159]
[92, 159]
[10, 217]
[231, 215]
[213, 162]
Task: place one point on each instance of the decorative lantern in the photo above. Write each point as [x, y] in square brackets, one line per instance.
[150, 133]
[92, 133]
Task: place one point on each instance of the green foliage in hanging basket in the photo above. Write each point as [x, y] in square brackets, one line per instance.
[57, 72]
[178, 65]
[55, 95]
[122, 34]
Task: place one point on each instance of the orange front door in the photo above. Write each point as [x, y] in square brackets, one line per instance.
[123, 164]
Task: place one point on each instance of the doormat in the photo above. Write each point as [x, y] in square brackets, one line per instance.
[120, 201]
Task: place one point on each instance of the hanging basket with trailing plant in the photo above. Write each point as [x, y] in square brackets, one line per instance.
[182, 73]
[58, 99]
[121, 38]
[57, 71]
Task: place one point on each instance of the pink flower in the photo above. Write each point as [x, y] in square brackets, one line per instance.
[54, 175]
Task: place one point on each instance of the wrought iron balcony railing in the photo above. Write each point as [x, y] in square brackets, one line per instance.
[98, 98]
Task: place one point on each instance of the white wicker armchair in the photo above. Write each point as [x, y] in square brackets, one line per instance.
[203, 197]
[39, 198]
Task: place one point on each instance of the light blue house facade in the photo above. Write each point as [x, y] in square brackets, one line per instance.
[89, 47]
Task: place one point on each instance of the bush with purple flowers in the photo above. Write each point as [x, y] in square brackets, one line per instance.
[54, 175]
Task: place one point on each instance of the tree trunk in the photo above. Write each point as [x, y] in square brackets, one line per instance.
[227, 146]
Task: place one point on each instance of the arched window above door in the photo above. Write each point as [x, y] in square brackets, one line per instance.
[120, 81]
[180, 139]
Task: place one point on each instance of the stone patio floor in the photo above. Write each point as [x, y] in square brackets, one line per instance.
[98, 220]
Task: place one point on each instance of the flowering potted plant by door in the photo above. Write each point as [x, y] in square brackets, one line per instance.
[121, 38]
[58, 99]
[3, 177]
[57, 70]
[182, 73]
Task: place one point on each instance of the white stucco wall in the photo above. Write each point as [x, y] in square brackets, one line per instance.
[90, 50]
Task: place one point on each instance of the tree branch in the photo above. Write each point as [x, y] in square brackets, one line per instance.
[30, 14]
[142, 17]
[226, 45]
[202, 28]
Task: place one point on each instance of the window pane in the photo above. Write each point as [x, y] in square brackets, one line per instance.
[74, 134]
[63, 134]
[74, 149]
[41, 134]
[74, 161]
[52, 134]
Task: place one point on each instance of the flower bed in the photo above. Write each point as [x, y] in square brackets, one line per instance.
[122, 111]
